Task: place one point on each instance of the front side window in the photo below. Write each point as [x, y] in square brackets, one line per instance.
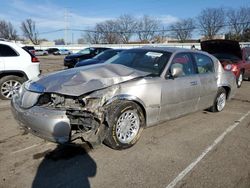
[204, 63]
[183, 62]
[6, 51]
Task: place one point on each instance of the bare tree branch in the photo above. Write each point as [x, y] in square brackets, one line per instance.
[92, 37]
[108, 30]
[239, 21]
[211, 21]
[29, 31]
[126, 24]
[147, 27]
[182, 30]
[7, 31]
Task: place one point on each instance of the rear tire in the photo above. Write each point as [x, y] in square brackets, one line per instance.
[239, 80]
[126, 122]
[220, 101]
[9, 85]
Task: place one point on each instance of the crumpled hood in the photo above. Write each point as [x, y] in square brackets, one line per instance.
[78, 81]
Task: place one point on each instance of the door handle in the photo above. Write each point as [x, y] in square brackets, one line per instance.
[193, 83]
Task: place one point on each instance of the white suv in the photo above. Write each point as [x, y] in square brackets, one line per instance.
[16, 66]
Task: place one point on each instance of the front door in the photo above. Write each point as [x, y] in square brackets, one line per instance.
[180, 95]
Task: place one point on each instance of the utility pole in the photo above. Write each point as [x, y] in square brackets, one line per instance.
[66, 26]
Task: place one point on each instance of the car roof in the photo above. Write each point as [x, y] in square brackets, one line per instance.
[116, 49]
[166, 49]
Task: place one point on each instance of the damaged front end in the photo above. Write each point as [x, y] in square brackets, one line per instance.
[85, 114]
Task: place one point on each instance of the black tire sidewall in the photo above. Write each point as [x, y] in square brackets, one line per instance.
[111, 139]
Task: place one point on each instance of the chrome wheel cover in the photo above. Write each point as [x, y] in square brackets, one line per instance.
[9, 88]
[221, 101]
[127, 126]
[240, 79]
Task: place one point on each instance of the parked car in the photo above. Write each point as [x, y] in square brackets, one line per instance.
[16, 66]
[31, 49]
[52, 50]
[114, 101]
[87, 53]
[62, 52]
[231, 56]
[100, 58]
[41, 52]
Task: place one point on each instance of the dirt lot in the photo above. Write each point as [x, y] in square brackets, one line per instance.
[199, 150]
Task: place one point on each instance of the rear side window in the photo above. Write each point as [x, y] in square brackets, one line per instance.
[204, 63]
[7, 51]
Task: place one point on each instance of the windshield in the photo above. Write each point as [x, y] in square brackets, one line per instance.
[152, 62]
[105, 55]
[85, 51]
[225, 56]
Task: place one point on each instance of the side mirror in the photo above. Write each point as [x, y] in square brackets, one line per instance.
[177, 72]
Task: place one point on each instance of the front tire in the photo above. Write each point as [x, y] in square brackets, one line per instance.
[9, 85]
[126, 122]
[220, 101]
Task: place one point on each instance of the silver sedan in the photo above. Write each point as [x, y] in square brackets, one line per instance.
[114, 101]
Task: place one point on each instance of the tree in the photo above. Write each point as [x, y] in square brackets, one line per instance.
[182, 30]
[211, 21]
[147, 27]
[246, 35]
[126, 24]
[109, 32]
[80, 41]
[7, 31]
[29, 31]
[239, 21]
[92, 37]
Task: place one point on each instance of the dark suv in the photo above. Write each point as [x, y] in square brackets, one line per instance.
[87, 53]
[231, 56]
[52, 50]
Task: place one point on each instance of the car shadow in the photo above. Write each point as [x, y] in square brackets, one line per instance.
[66, 166]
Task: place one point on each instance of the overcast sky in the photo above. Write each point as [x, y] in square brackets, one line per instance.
[49, 15]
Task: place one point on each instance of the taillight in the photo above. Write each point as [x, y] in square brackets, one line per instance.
[34, 60]
[234, 68]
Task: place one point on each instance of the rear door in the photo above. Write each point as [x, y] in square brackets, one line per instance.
[180, 95]
[208, 80]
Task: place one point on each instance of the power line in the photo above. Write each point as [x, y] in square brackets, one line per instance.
[138, 31]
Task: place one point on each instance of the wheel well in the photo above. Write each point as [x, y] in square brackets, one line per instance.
[143, 109]
[136, 102]
[19, 74]
[228, 90]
